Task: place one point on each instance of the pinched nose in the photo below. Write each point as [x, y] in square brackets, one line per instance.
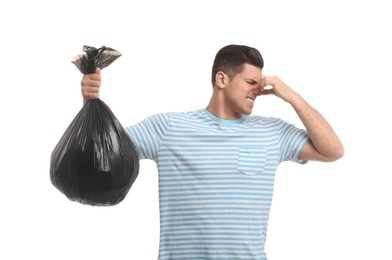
[257, 91]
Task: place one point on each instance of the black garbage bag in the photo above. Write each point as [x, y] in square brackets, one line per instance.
[95, 162]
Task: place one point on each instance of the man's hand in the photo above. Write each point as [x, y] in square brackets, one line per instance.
[91, 84]
[274, 85]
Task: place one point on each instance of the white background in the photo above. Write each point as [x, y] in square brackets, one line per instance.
[336, 54]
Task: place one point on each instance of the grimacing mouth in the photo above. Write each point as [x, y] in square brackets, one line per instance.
[251, 99]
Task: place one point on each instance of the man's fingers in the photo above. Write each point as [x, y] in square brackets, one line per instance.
[95, 76]
[267, 91]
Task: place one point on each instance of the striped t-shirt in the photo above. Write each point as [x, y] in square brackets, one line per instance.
[216, 180]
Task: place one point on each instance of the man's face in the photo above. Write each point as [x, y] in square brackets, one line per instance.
[242, 90]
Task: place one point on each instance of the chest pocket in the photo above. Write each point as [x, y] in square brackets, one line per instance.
[252, 159]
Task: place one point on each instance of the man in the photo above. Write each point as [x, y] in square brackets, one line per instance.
[217, 165]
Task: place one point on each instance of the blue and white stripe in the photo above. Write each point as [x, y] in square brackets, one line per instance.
[216, 180]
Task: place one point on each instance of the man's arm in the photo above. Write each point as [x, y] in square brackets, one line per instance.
[324, 144]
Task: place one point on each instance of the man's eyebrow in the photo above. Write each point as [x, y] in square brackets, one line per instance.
[252, 81]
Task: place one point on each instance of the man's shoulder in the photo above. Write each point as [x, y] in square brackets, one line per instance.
[189, 115]
[263, 119]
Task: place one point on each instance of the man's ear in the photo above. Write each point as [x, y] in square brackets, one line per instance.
[221, 79]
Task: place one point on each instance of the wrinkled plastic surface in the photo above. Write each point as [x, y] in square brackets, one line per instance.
[95, 161]
[95, 57]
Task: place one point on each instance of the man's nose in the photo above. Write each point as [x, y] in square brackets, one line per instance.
[257, 90]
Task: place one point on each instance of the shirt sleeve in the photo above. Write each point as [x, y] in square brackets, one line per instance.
[291, 142]
[148, 134]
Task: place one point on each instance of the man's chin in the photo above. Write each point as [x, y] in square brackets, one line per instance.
[247, 113]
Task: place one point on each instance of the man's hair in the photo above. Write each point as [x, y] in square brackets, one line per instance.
[232, 58]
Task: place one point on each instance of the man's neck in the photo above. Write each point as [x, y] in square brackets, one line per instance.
[220, 111]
